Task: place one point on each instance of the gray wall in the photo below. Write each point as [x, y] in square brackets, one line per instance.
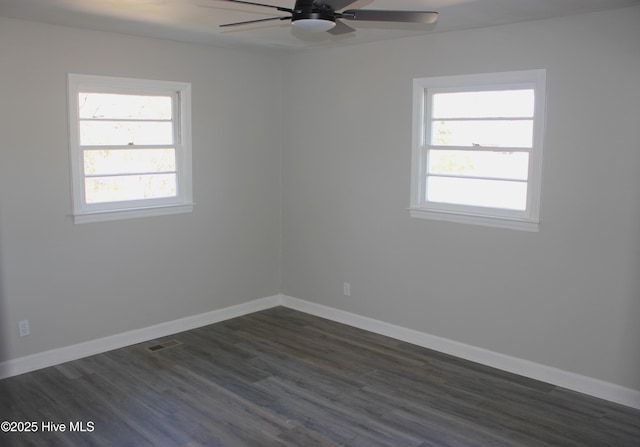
[566, 297]
[81, 282]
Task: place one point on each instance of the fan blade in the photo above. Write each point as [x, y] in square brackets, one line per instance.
[279, 8]
[380, 15]
[336, 5]
[340, 28]
[255, 21]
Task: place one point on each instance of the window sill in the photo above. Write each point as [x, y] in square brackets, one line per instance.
[133, 213]
[474, 219]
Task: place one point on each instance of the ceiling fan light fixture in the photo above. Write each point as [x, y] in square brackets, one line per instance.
[314, 25]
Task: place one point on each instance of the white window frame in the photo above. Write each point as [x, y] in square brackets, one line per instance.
[528, 219]
[180, 92]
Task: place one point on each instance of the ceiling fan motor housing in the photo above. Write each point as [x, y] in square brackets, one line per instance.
[312, 15]
[309, 10]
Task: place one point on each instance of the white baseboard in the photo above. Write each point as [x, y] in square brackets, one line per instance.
[554, 376]
[576, 382]
[97, 346]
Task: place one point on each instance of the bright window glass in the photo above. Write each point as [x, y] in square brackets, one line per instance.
[129, 187]
[498, 165]
[487, 133]
[477, 192]
[484, 104]
[123, 133]
[108, 161]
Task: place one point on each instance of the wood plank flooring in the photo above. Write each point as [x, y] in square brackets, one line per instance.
[285, 378]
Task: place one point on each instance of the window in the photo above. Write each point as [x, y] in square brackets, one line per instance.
[130, 143]
[477, 148]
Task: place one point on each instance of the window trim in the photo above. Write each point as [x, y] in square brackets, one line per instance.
[108, 211]
[527, 220]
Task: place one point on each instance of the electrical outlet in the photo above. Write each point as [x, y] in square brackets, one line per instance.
[347, 289]
[23, 326]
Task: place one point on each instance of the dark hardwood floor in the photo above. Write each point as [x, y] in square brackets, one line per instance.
[284, 378]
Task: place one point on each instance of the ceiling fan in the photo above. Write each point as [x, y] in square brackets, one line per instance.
[323, 15]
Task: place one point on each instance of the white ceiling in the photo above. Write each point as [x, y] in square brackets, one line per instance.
[198, 20]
